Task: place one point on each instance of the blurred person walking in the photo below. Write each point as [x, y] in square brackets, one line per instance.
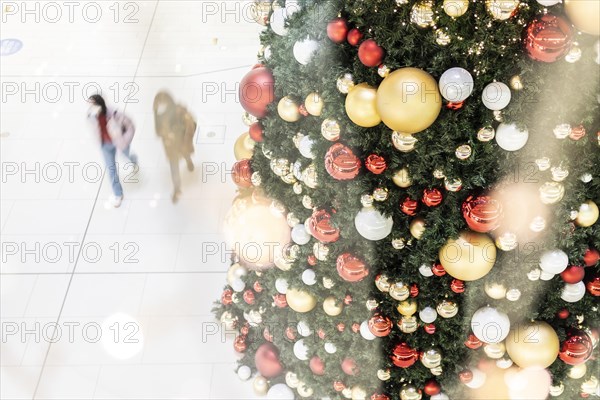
[176, 127]
[115, 131]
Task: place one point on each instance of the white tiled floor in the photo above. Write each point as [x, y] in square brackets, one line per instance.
[148, 272]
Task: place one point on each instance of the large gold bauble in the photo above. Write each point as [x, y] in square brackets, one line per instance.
[584, 14]
[456, 8]
[402, 178]
[288, 110]
[332, 307]
[588, 214]
[408, 100]
[361, 106]
[501, 9]
[407, 307]
[533, 344]
[243, 147]
[314, 104]
[300, 301]
[469, 257]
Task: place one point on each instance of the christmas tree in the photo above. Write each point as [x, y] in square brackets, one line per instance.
[417, 213]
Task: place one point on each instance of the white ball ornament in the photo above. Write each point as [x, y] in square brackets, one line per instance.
[291, 7]
[278, 21]
[300, 235]
[304, 329]
[280, 391]
[554, 261]
[496, 96]
[510, 138]
[548, 3]
[440, 396]
[305, 147]
[281, 285]
[301, 350]
[372, 225]
[244, 372]
[456, 84]
[238, 285]
[309, 277]
[304, 50]
[330, 347]
[490, 325]
[425, 270]
[365, 332]
[479, 378]
[428, 315]
[573, 292]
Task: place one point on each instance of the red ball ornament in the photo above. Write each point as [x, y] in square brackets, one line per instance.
[354, 37]
[473, 343]
[430, 328]
[267, 335]
[380, 325]
[290, 333]
[317, 366]
[573, 274]
[348, 300]
[341, 163]
[457, 286]
[267, 360]
[482, 213]
[438, 269]
[239, 344]
[256, 132]
[312, 260]
[379, 396]
[321, 334]
[577, 348]
[376, 164]
[280, 300]
[414, 290]
[242, 173]
[351, 268]
[584, 395]
[257, 287]
[547, 38]
[432, 197]
[303, 111]
[337, 30]
[455, 106]
[355, 327]
[404, 356]
[349, 366]
[591, 256]
[257, 91]
[432, 387]
[226, 298]
[244, 330]
[409, 206]
[338, 386]
[249, 297]
[577, 132]
[370, 54]
[593, 286]
[465, 376]
[340, 327]
[563, 314]
[319, 225]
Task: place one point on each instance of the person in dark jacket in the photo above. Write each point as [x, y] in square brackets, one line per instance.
[176, 127]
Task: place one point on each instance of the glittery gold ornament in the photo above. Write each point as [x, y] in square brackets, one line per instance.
[407, 307]
[463, 152]
[441, 37]
[486, 134]
[409, 392]
[321, 251]
[502, 9]
[384, 374]
[402, 178]
[380, 194]
[516, 83]
[507, 241]
[551, 192]
[422, 14]
[330, 129]
[431, 358]
[399, 291]
[456, 8]
[404, 142]
[345, 83]
[307, 202]
[447, 309]
[382, 283]
[383, 70]
[559, 173]
[495, 350]
[453, 185]
[408, 324]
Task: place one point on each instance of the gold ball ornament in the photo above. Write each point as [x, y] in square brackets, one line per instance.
[304, 390]
[422, 14]
[417, 227]
[243, 147]
[577, 371]
[408, 324]
[399, 291]
[402, 178]
[587, 215]
[384, 374]
[407, 307]
[361, 105]
[516, 83]
[260, 385]
[585, 15]
[300, 301]
[408, 100]
[314, 104]
[456, 8]
[288, 110]
[532, 344]
[358, 393]
[469, 257]
[332, 307]
[495, 350]
[496, 291]
[330, 129]
[501, 9]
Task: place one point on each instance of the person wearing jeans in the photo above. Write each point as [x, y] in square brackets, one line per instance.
[115, 132]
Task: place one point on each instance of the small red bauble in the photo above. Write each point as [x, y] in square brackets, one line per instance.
[457, 286]
[280, 300]
[354, 37]
[239, 344]
[337, 30]
[379, 396]
[482, 213]
[465, 376]
[317, 366]
[321, 334]
[226, 297]
[404, 356]
[591, 256]
[432, 387]
[267, 335]
[455, 106]
[432, 197]
[303, 111]
[577, 348]
[244, 330]
[256, 132]
[355, 327]
[340, 327]
[341, 163]
[573, 274]
[376, 164]
[348, 300]
[290, 333]
[409, 206]
[473, 343]
[430, 328]
[249, 296]
[257, 287]
[563, 314]
[593, 286]
[438, 270]
[577, 133]
[370, 54]
[380, 325]
[351, 268]
[312, 260]
[414, 290]
[349, 366]
[320, 227]
[242, 173]
[338, 386]
[584, 395]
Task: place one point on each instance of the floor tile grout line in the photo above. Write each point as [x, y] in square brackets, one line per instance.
[91, 215]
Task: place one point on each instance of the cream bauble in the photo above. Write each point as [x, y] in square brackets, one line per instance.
[288, 110]
[300, 301]
[469, 257]
[314, 104]
[587, 215]
[243, 147]
[402, 178]
[361, 106]
[332, 306]
[533, 344]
